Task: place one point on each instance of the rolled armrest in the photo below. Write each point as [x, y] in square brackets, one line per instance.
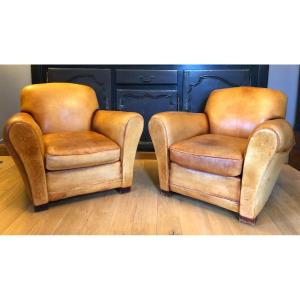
[283, 132]
[268, 149]
[179, 125]
[124, 128]
[169, 127]
[24, 142]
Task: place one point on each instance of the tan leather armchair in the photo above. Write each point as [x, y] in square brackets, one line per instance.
[63, 145]
[231, 154]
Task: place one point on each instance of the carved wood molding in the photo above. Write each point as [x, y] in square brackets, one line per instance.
[101, 84]
[201, 78]
[146, 95]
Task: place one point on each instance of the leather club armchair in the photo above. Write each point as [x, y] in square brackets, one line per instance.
[63, 145]
[231, 154]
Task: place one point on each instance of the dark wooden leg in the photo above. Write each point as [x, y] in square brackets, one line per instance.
[166, 193]
[41, 207]
[124, 190]
[247, 220]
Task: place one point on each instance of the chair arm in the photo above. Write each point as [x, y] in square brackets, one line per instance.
[24, 142]
[283, 131]
[124, 128]
[167, 128]
[268, 149]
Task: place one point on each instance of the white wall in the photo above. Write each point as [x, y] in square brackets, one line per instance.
[12, 79]
[285, 78]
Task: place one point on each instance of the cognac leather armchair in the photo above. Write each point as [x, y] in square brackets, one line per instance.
[63, 145]
[231, 154]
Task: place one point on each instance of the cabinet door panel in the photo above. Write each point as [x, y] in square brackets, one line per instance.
[198, 84]
[99, 80]
[147, 103]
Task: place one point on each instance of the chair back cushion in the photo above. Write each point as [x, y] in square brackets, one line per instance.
[58, 107]
[237, 111]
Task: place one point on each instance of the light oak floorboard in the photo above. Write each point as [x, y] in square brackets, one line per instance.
[144, 210]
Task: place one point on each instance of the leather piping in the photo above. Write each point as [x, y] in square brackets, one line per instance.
[188, 153]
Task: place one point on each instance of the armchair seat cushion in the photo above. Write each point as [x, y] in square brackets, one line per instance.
[70, 150]
[212, 153]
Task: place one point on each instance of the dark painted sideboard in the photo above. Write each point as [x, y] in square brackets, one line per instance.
[149, 89]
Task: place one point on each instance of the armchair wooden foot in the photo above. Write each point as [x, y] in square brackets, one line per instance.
[166, 193]
[124, 190]
[42, 207]
[247, 220]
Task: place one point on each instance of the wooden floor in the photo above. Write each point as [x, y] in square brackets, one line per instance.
[144, 210]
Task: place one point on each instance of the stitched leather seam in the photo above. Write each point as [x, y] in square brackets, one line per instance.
[185, 188]
[167, 150]
[71, 155]
[74, 167]
[123, 146]
[208, 170]
[201, 155]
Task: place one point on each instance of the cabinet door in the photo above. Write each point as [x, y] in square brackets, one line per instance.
[147, 103]
[198, 84]
[99, 80]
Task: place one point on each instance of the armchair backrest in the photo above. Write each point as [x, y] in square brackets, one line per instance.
[237, 111]
[60, 107]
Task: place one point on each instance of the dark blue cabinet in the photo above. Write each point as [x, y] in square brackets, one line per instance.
[149, 89]
[147, 103]
[198, 84]
[98, 79]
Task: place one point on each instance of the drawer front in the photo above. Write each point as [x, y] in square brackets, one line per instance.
[146, 76]
[147, 103]
[99, 80]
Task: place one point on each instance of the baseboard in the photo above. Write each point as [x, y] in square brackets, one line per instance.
[145, 155]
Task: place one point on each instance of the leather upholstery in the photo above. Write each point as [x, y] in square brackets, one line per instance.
[23, 139]
[213, 153]
[229, 156]
[125, 129]
[68, 150]
[169, 127]
[283, 131]
[63, 146]
[215, 185]
[268, 149]
[238, 111]
[67, 183]
[58, 107]
[215, 189]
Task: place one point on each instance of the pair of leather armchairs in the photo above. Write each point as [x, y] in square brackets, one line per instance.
[229, 156]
